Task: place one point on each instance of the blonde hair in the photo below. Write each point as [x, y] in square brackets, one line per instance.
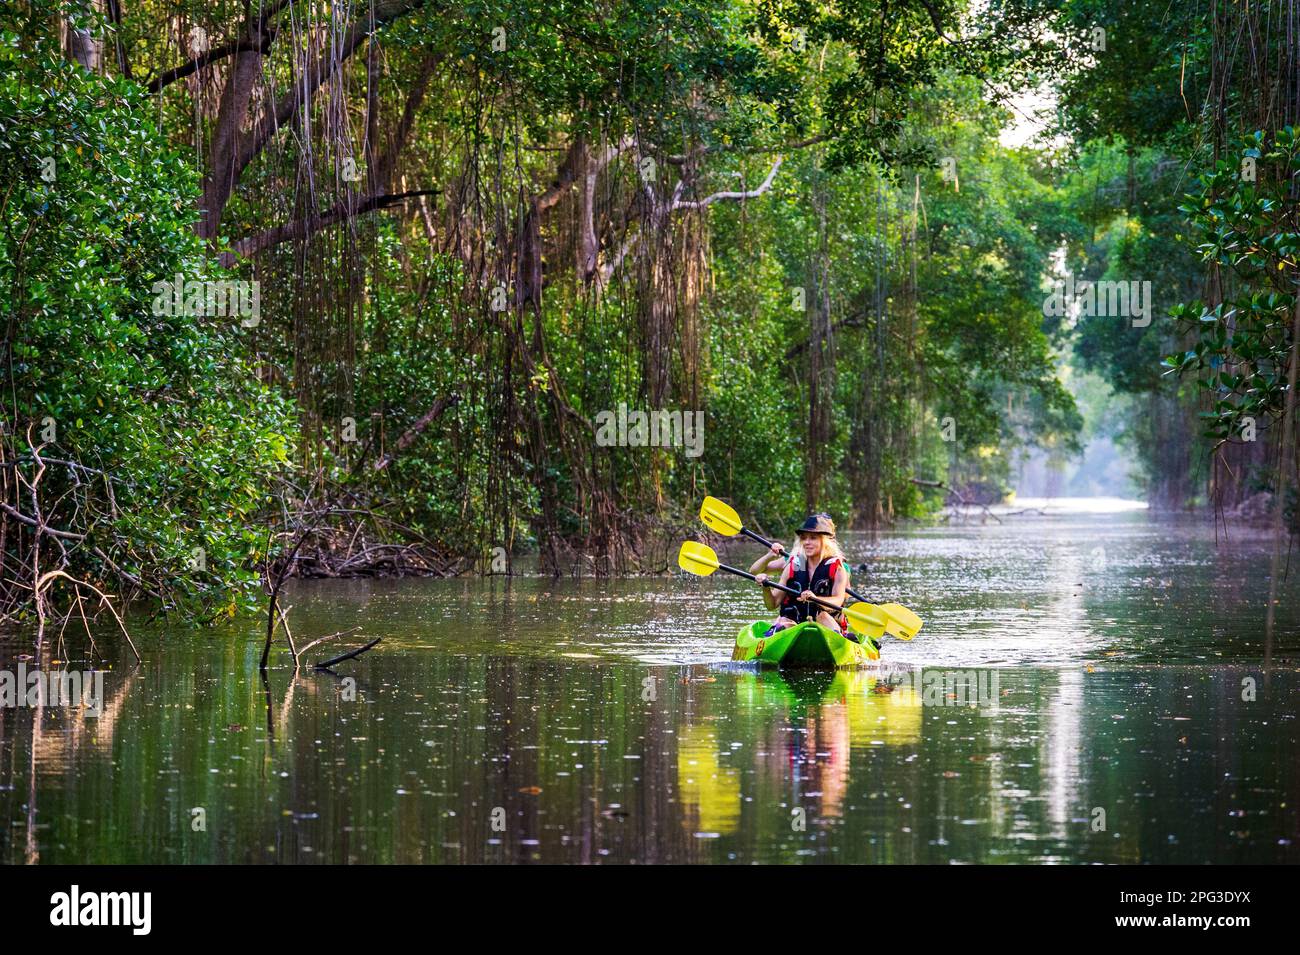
[830, 548]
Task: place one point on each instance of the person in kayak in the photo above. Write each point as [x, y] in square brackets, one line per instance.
[822, 573]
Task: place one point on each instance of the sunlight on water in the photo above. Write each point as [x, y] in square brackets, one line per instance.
[1067, 662]
[1072, 505]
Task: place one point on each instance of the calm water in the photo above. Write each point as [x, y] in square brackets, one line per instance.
[1095, 668]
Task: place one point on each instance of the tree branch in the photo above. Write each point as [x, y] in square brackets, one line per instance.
[43, 528]
[379, 176]
[731, 196]
[305, 227]
[348, 656]
[936, 20]
[260, 44]
[258, 41]
[630, 241]
[232, 149]
[415, 430]
[276, 113]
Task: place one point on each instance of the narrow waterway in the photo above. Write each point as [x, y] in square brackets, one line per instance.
[1088, 687]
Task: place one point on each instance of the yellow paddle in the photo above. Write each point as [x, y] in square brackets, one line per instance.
[699, 559]
[721, 517]
[900, 622]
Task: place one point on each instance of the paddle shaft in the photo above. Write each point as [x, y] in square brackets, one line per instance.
[768, 544]
[775, 586]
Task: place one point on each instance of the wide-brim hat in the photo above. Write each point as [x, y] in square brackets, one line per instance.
[818, 524]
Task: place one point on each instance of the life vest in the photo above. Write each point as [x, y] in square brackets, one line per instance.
[822, 584]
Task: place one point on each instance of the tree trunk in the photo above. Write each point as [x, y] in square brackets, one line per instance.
[82, 45]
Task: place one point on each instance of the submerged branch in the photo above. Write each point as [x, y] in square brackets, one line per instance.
[280, 576]
[349, 655]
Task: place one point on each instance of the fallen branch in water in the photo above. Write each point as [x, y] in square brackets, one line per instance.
[288, 634]
[348, 656]
[961, 499]
[104, 600]
[341, 550]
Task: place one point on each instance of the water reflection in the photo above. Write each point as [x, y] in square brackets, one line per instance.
[710, 792]
[817, 721]
[1061, 750]
[518, 733]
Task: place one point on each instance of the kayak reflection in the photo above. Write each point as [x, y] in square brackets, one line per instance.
[802, 760]
[710, 792]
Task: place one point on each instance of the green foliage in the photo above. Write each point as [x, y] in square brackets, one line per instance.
[1248, 228]
[1141, 79]
[174, 433]
[975, 345]
[1175, 86]
[932, 286]
[1126, 227]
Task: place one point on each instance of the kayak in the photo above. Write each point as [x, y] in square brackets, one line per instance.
[808, 644]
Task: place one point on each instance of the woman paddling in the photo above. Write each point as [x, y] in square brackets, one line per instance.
[775, 560]
[822, 573]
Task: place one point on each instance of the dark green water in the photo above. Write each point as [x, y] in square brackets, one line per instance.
[525, 720]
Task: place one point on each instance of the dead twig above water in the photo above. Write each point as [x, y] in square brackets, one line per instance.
[328, 636]
[281, 575]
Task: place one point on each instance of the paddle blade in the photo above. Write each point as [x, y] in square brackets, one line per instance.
[866, 618]
[900, 622]
[720, 516]
[697, 558]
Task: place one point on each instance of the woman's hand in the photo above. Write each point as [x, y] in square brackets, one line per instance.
[761, 579]
[777, 549]
[804, 596]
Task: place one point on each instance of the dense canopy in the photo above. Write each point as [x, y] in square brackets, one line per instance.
[467, 231]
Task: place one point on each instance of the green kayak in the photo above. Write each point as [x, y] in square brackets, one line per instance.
[805, 645]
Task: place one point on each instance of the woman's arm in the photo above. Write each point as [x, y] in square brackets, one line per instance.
[768, 562]
[760, 569]
[770, 596]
